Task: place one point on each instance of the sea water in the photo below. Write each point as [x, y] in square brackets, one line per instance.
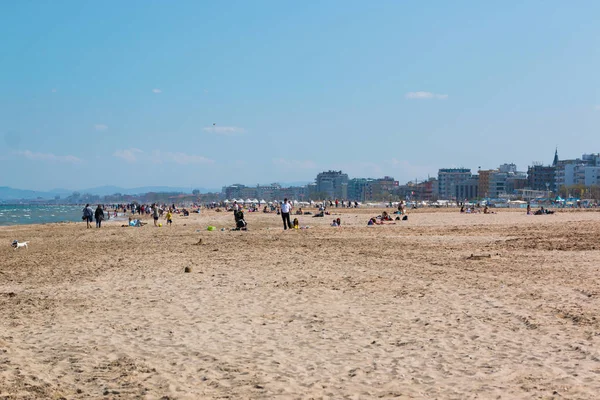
[21, 214]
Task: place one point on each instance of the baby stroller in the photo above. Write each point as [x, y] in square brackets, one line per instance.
[240, 222]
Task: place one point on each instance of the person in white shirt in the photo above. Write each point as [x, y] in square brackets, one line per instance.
[286, 208]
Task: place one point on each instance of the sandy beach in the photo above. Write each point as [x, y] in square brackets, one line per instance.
[394, 311]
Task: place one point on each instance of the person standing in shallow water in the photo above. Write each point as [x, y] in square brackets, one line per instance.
[286, 208]
[88, 215]
[99, 214]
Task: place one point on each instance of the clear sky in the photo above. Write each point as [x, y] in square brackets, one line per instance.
[203, 94]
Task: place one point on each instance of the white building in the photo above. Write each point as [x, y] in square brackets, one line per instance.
[591, 175]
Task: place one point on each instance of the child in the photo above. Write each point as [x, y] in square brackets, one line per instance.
[296, 224]
[334, 223]
[169, 217]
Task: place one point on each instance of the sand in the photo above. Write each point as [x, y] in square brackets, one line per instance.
[358, 312]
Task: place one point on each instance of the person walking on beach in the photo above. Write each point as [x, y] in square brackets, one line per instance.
[88, 215]
[155, 213]
[286, 207]
[99, 214]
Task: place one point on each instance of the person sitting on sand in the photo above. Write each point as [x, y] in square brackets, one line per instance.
[528, 209]
[134, 222]
[486, 210]
[296, 223]
[462, 209]
[339, 222]
[543, 211]
[265, 210]
[334, 223]
[385, 216]
[299, 211]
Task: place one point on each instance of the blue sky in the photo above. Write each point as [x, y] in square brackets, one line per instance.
[203, 94]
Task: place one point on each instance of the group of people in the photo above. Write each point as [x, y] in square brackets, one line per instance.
[343, 203]
[101, 213]
[475, 210]
[89, 215]
[541, 211]
[386, 218]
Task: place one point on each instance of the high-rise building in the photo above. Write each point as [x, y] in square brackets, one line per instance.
[574, 172]
[268, 192]
[591, 176]
[448, 178]
[357, 189]
[333, 184]
[467, 189]
[484, 182]
[508, 168]
[541, 177]
[233, 191]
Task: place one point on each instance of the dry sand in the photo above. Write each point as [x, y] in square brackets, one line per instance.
[357, 312]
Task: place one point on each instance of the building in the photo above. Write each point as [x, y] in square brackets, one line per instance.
[591, 160]
[484, 182]
[508, 168]
[268, 192]
[366, 189]
[565, 173]
[233, 191]
[387, 183]
[591, 176]
[332, 185]
[248, 193]
[541, 177]
[516, 183]
[311, 190]
[497, 184]
[467, 190]
[574, 172]
[448, 178]
[357, 189]
[422, 191]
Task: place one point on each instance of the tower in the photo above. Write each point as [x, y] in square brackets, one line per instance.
[555, 162]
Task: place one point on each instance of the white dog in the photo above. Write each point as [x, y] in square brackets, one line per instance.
[16, 244]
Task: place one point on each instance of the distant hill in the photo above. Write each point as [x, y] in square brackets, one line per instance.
[107, 190]
[8, 193]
